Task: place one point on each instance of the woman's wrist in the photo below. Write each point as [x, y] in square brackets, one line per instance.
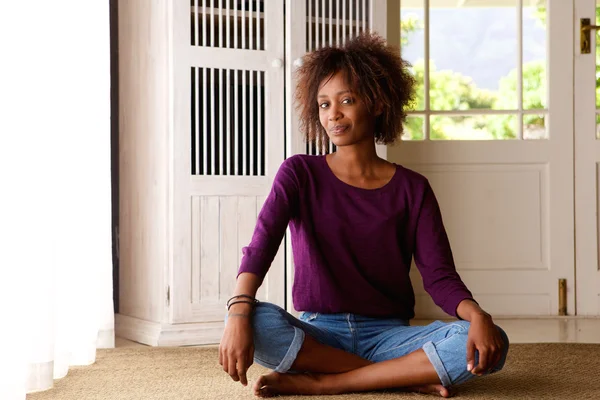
[481, 315]
[240, 310]
[241, 307]
[238, 315]
[468, 310]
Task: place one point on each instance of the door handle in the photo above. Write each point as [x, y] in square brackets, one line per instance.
[585, 37]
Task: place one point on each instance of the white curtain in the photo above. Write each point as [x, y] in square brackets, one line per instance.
[55, 191]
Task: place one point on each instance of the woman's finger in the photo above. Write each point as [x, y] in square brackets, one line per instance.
[233, 368]
[225, 362]
[470, 355]
[497, 358]
[483, 361]
[242, 367]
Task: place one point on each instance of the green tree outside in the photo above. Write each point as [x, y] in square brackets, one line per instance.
[448, 90]
[451, 90]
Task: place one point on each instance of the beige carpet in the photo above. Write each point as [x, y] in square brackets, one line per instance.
[533, 371]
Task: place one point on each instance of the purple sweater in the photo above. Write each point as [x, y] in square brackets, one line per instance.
[353, 247]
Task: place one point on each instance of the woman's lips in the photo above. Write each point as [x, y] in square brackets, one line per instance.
[338, 130]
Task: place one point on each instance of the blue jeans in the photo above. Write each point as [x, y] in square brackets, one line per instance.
[278, 337]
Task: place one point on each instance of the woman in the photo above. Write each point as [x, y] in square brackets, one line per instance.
[356, 222]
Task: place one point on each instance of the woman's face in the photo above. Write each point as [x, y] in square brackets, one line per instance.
[343, 115]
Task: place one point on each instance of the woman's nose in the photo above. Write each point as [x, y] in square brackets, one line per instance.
[334, 113]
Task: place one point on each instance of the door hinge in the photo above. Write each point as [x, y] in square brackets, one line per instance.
[562, 297]
[168, 295]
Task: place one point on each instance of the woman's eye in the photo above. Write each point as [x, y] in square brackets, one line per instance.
[323, 105]
[347, 101]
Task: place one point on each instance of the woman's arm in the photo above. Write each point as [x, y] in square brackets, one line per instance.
[236, 351]
[237, 345]
[247, 284]
[433, 255]
[279, 207]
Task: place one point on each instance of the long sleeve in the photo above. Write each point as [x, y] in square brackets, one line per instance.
[433, 257]
[280, 205]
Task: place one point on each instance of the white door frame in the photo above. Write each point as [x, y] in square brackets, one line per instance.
[587, 167]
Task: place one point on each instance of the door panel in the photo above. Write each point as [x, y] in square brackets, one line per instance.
[587, 162]
[227, 121]
[498, 151]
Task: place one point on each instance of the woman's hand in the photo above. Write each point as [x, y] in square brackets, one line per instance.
[485, 338]
[236, 351]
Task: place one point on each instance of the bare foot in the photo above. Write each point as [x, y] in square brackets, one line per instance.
[274, 384]
[431, 389]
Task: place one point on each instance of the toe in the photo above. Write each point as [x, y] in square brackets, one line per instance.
[257, 385]
[444, 392]
[264, 392]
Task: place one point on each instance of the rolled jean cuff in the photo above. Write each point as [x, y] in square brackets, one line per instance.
[292, 353]
[438, 365]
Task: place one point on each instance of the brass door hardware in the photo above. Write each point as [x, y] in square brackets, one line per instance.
[585, 36]
[562, 297]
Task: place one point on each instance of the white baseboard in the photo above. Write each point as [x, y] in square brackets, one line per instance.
[162, 335]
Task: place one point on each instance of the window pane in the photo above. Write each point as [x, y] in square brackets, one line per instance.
[412, 46]
[534, 58]
[473, 127]
[413, 128]
[597, 126]
[473, 50]
[534, 126]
